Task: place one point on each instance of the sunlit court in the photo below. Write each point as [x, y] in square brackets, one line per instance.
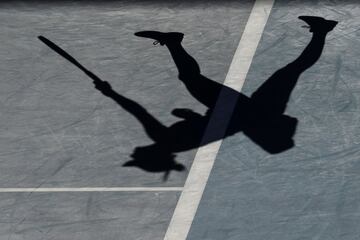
[174, 120]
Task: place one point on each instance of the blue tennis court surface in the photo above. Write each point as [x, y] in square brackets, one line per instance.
[309, 191]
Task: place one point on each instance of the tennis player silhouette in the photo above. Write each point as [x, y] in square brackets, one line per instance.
[260, 117]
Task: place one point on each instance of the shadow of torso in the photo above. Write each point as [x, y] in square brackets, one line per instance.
[272, 131]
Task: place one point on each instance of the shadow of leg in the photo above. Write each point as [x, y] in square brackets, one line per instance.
[201, 88]
[265, 124]
[274, 94]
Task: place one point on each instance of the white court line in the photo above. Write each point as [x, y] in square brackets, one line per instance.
[94, 189]
[204, 160]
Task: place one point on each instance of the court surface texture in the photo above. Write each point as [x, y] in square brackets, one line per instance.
[84, 97]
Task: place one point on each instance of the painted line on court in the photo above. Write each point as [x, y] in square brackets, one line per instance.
[94, 189]
[204, 160]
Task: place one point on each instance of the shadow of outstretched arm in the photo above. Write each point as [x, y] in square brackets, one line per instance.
[155, 129]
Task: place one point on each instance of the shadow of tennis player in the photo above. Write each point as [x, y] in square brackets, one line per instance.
[261, 117]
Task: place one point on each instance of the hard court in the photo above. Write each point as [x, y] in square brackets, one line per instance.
[229, 120]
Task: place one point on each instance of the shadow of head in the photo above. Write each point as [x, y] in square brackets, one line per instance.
[154, 158]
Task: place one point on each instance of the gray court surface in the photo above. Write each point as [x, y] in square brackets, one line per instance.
[58, 131]
[85, 215]
[312, 190]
